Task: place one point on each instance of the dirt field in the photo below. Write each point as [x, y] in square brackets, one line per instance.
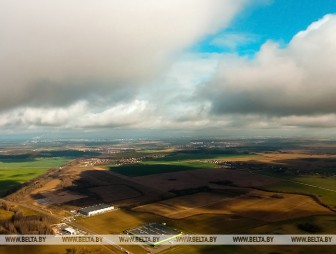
[74, 187]
[60, 197]
[255, 204]
[115, 192]
[203, 177]
[290, 155]
[48, 186]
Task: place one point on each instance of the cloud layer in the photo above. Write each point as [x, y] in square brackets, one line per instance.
[296, 80]
[81, 64]
[58, 52]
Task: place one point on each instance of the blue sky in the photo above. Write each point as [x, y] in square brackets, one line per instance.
[277, 20]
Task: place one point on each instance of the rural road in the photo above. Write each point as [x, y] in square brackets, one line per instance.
[73, 224]
[283, 179]
[310, 185]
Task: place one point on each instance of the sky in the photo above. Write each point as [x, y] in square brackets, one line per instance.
[208, 67]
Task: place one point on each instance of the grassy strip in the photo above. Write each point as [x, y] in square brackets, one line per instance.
[295, 188]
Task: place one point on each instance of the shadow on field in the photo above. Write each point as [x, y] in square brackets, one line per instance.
[310, 166]
[149, 169]
[102, 186]
[8, 186]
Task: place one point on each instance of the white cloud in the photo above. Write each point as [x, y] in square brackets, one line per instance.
[78, 115]
[57, 52]
[83, 65]
[120, 115]
[30, 117]
[320, 121]
[295, 80]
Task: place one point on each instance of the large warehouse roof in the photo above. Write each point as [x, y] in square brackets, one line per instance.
[94, 208]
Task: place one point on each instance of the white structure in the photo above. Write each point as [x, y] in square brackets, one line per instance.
[96, 209]
[70, 230]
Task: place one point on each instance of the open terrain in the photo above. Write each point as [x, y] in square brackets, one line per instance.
[203, 177]
[210, 187]
[14, 173]
[260, 205]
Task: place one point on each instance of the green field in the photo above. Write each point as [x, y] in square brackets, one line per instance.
[172, 163]
[12, 174]
[326, 196]
[200, 156]
[325, 182]
[299, 184]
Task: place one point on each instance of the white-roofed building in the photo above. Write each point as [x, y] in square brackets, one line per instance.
[96, 209]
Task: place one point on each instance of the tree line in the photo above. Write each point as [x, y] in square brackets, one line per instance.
[21, 224]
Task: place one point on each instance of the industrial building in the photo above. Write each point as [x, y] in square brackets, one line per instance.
[159, 229]
[95, 209]
[69, 230]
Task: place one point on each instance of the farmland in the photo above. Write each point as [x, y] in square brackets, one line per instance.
[209, 224]
[311, 181]
[12, 174]
[203, 155]
[255, 204]
[292, 186]
[203, 177]
[195, 187]
[175, 162]
[151, 168]
[205, 224]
